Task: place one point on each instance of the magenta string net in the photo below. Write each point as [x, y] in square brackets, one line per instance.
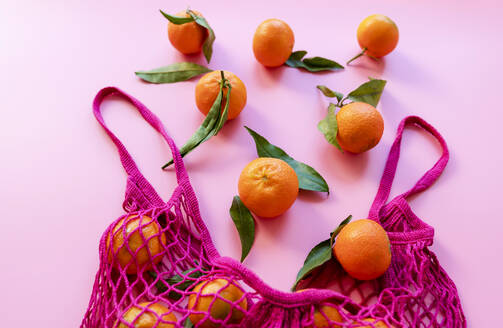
[160, 269]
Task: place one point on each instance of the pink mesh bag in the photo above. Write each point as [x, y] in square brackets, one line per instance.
[160, 269]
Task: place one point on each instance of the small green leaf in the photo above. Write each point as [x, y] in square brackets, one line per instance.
[320, 254]
[330, 93]
[177, 282]
[313, 64]
[338, 229]
[176, 19]
[173, 73]
[208, 43]
[211, 125]
[243, 220]
[309, 178]
[328, 126]
[369, 92]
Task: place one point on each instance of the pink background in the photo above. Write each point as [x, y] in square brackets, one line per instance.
[62, 183]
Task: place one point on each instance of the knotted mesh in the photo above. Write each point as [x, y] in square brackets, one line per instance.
[160, 269]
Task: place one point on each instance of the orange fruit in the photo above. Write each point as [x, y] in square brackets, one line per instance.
[153, 316]
[131, 241]
[268, 186]
[360, 127]
[187, 38]
[219, 307]
[378, 34]
[378, 324]
[207, 91]
[273, 42]
[363, 249]
[321, 313]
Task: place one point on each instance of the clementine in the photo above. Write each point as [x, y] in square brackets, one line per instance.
[207, 89]
[136, 241]
[155, 315]
[221, 298]
[378, 34]
[377, 324]
[363, 249]
[268, 186]
[360, 127]
[273, 42]
[322, 313]
[187, 38]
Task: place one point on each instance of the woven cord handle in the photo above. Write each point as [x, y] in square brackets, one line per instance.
[139, 183]
[391, 164]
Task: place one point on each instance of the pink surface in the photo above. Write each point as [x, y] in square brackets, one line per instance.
[62, 182]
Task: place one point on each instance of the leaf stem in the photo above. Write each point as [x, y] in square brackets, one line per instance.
[341, 103]
[357, 56]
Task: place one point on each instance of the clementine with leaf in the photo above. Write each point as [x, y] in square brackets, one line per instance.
[363, 249]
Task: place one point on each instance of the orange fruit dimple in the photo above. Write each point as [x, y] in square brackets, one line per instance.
[360, 127]
[363, 249]
[273, 42]
[379, 34]
[268, 186]
[136, 241]
[219, 307]
[187, 38]
[207, 89]
[378, 324]
[153, 316]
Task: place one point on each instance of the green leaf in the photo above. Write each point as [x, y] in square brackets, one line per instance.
[208, 43]
[330, 93]
[338, 229]
[176, 19]
[243, 220]
[173, 73]
[320, 254]
[211, 125]
[328, 126]
[369, 92]
[313, 64]
[316, 64]
[296, 56]
[309, 179]
[188, 323]
[177, 282]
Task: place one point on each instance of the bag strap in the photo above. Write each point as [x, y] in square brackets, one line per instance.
[391, 164]
[139, 192]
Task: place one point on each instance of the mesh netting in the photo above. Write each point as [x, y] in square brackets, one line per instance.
[160, 269]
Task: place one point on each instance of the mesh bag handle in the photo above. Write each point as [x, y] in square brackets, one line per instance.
[391, 164]
[139, 192]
